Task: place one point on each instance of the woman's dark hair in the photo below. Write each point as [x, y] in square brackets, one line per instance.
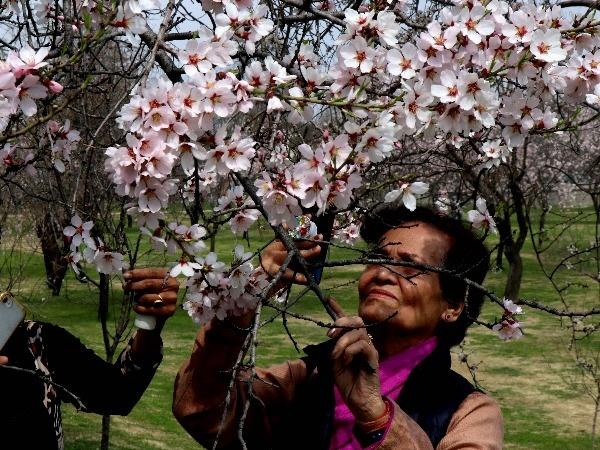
[467, 257]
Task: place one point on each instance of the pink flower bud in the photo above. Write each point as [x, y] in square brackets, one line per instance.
[54, 87]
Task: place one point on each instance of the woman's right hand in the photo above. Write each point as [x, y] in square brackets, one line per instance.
[273, 257]
[3, 360]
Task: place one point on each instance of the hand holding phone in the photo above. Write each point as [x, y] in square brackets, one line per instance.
[11, 315]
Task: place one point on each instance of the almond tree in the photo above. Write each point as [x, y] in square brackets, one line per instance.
[285, 108]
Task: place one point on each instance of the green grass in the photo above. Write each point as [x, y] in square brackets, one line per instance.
[534, 379]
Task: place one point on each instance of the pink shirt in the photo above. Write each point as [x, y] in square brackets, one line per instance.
[393, 373]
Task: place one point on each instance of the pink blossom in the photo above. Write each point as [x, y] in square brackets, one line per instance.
[79, 232]
[473, 23]
[409, 193]
[27, 61]
[184, 267]
[211, 268]
[416, 104]
[546, 46]
[30, 90]
[447, 91]
[357, 54]
[387, 28]
[480, 217]
[242, 221]
[520, 28]
[495, 153]
[108, 262]
[404, 62]
[153, 194]
[131, 22]
[508, 329]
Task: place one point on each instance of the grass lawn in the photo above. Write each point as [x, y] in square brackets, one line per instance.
[534, 379]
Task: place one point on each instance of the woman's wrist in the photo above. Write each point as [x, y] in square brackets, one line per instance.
[375, 417]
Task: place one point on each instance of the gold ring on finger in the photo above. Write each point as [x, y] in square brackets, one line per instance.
[159, 301]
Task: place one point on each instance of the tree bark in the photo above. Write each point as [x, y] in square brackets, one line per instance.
[512, 286]
[51, 241]
[103, 300]
[105, 442]
[499, 256]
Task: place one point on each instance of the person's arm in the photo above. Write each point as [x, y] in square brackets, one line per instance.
[476, 425]
[203, 386]
[114, 389]
[102, 388]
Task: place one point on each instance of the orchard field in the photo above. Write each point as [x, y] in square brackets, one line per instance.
[535, 379]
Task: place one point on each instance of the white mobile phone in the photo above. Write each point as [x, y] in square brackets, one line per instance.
[11, 315]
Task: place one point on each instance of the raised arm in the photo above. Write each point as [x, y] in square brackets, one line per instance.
[209, 403]
[106, 388]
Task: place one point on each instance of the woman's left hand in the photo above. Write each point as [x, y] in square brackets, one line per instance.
[351, 356]
[155, 293]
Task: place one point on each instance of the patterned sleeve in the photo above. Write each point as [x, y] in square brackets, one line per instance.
[129, 366]
[102, 387]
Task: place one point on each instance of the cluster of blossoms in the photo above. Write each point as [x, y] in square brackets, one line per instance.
[129, 16]
[171, 126]
[214, 290]
[346, 228]
[91, 249]
[63, 140]
[14, 158]
[21, 83]
[323, 178]
[482, 72]
[487, 71]
[509, 327]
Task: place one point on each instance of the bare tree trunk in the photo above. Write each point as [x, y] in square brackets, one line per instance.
[52, 248]
[512, 286]
[500, 256]
[514, 242]
[105, 442]
[103, 316]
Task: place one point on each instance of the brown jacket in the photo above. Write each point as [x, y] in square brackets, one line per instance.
[203, 384]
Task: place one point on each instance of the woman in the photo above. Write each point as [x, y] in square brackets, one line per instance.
[331, 399]
[30, 406]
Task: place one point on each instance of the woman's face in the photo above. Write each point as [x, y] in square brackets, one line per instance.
[414, 294]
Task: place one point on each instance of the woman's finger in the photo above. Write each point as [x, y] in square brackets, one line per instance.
[166, 297]
[311, 252]
[164, 311]
[152, 285]
[349, 321]
[295, 277]
[343, 323]
[360, 347]
[347, 339]
[142, 274]
[308, 243]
